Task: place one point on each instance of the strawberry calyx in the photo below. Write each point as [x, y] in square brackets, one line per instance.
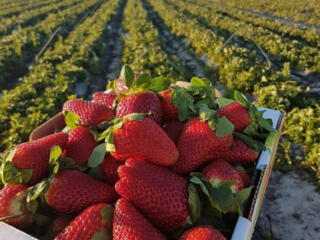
[259, 134]
[221, 125]
[219, 195]
[9, 173]
[98, 153]
[72, 120]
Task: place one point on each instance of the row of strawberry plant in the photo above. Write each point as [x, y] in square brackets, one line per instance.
[16, 9]
[21, 46]
[6, 4]
[33, 16]
[296, 10]
[309, 36]
[142, 47]
[281, 49]
[237, 68]
[42, 92]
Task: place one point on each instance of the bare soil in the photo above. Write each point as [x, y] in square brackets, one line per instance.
[291, 208]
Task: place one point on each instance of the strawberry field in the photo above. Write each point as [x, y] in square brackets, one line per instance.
[53, 51]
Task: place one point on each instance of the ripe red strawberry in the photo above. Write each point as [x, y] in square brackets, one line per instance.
[129, 223]
[239, 153]
[158, 193]
[72, 191]
[144, 139]
[174, 128]
[220, 170]
[202, 232]
[90, 113]
[13, 203]
[80, 145]
[144, 102]
[95, 222]
[246, 179]
[35, 155]
[60, 222]
[109, 169]
[237, 114]
[170, 111]
[196, 145]
[106, 98]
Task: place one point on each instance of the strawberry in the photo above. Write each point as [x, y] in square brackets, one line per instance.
[158, 193]
[239, 153]
[174, 128]
[60, 222]
[202, 232]
[90, 113]
[196, 145]
[220, 170]
[34, 155]
[80, 145]
[143, 102]
[13, 204]
[95, 222]
[237, 114]
[145, 139]
[246, 179]
[105, 98]
[169, 109]
[109, 169]
[129, 223]
[72, 191]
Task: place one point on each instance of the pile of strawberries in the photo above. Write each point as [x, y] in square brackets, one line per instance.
[144, 160]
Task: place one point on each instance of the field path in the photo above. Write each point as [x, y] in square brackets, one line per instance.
[290, 208]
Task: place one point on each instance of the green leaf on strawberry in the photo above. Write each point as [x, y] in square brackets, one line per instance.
[35, 191]
[97, 155]
[72, 120]
[224, 102]
[194, 203]
[127, 75]
[11, 174]
[159, 84]
[224, 127]
[184, 101]
[241, 98]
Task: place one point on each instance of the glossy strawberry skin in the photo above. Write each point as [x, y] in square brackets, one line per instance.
[170, 111]
[90, 113]
[220, 170]
[144, 102]
[158, 193]
[105, 98]
[80, 145]
[196, 145]
[246, 179]
[130, 224]
[144, 139]
[203, 232]
[35, 155]
[88, 223]
[109, 169]
[238, 153]
[174, 129]
[13, 202]
[71, 191]
[237, 114]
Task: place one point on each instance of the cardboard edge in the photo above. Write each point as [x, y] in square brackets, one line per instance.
[9, 232]
[245, 226]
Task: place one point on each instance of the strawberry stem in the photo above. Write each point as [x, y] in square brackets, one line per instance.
[10, 217]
